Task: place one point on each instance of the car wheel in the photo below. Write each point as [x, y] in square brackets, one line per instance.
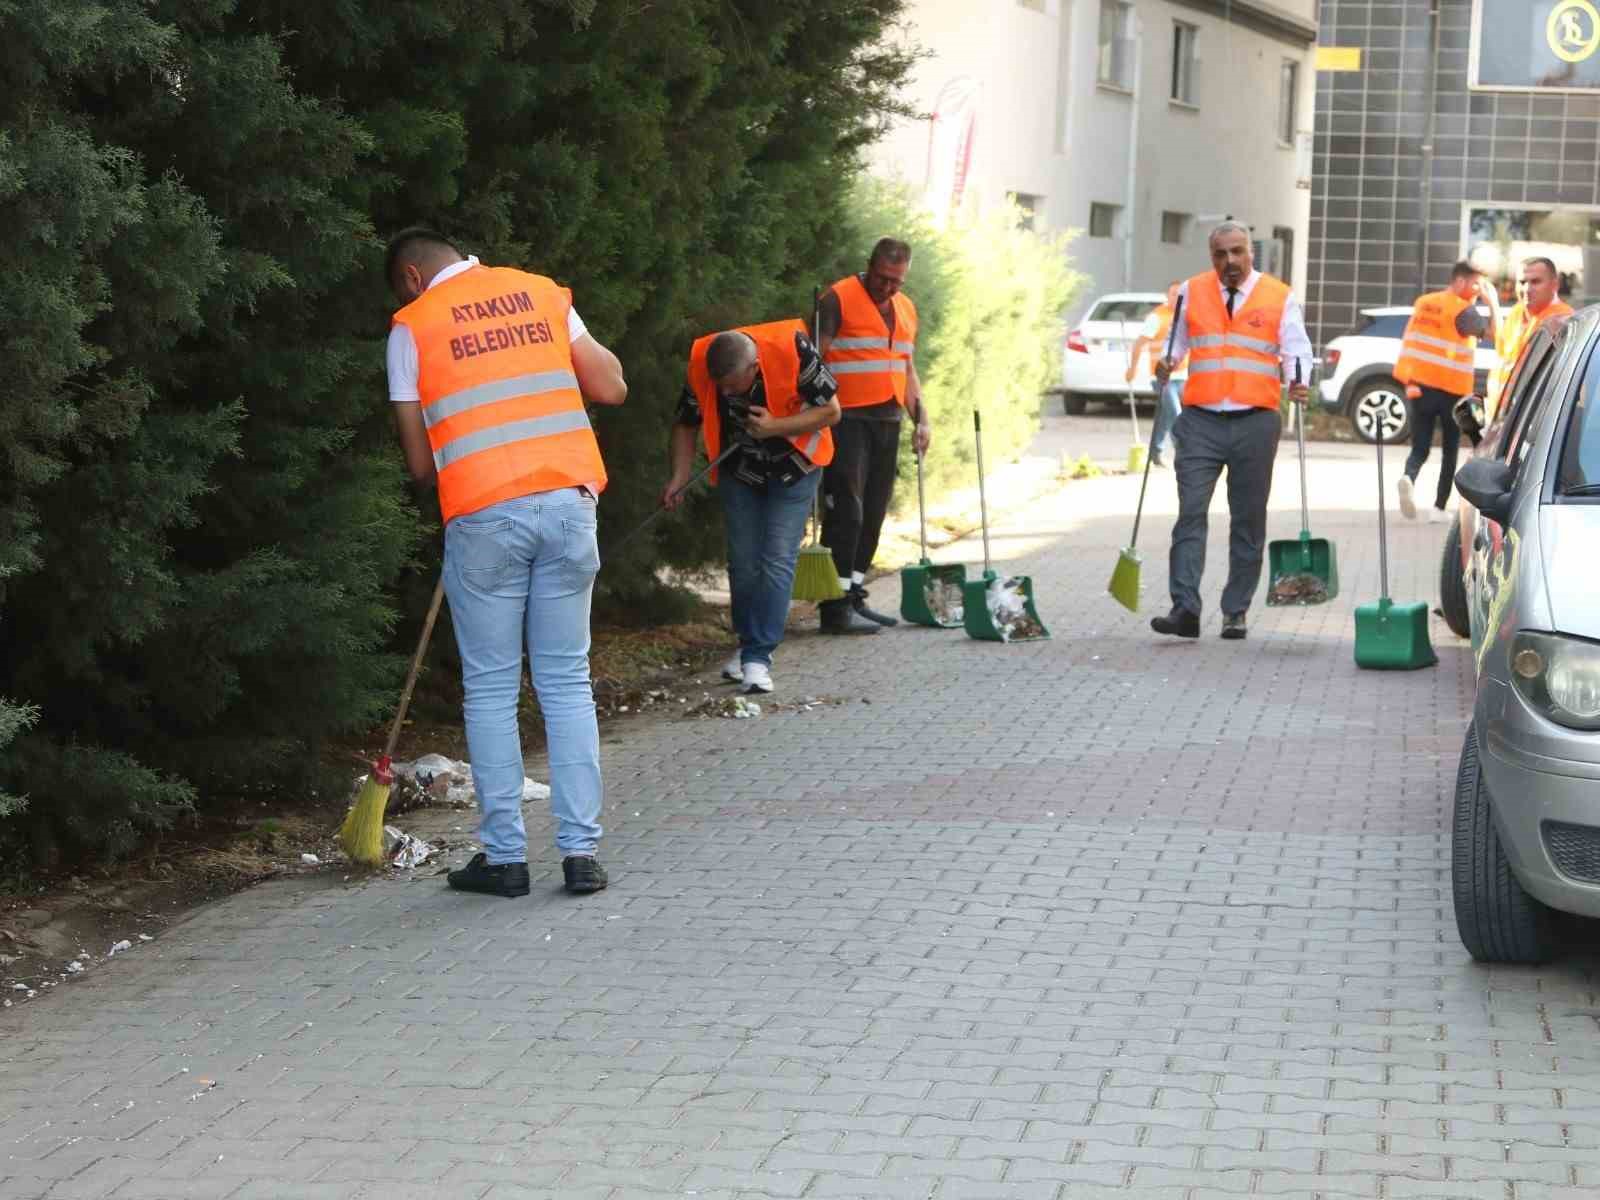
[1497, 919]
[1381, 396]
[1453, 583]
[1073, 404]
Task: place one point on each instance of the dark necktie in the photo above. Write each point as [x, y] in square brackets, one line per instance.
[1233, 294]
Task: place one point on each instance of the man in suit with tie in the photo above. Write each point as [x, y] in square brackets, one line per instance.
[1243, 333]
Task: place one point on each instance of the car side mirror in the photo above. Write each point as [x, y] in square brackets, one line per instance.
[1486, 483]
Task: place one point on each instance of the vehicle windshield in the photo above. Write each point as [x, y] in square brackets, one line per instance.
[1121, 310]
[1389, 325]
[1580, 460]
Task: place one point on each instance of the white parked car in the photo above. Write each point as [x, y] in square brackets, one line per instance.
[1358, 374]
[1095, 356]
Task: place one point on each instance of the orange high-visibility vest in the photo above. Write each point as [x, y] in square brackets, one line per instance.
[499, 397]
[780, 374]
[1234, 360]
[870, 364]
[1515, 328]
[1157, 349]
[1432, 353]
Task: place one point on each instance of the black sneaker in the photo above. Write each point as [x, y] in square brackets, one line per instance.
[858, 601]
[1233, 627]
[583, 875]
[1180, 622]
[838, 616]
[507, 879]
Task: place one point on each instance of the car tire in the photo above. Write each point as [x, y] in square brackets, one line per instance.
[1497, 920]
[1074, 404]
[1453, 583]
[1380, 395]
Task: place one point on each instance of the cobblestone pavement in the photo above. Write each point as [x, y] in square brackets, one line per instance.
[1099, 916]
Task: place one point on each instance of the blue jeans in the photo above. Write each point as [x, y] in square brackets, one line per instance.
[523, 571]
[765, 525]
[1168, 405]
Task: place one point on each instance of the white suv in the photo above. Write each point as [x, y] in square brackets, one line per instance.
[1358, 374]
[1095, 357]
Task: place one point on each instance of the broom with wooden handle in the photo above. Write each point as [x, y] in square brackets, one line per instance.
[815, 577]
[361, 835]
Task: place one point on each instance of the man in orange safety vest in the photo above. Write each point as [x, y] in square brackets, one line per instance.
[489, 369]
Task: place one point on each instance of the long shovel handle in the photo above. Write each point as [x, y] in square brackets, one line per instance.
[1300, 437]
[922, 512]
[1138, 513]
[1383, 521]
[416, 669]
[983, 503]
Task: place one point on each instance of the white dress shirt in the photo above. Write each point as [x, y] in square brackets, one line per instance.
[1294, 344]
[402, 350]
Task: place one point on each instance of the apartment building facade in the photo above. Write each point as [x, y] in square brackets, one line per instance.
[1137, 123]
[1448, 129]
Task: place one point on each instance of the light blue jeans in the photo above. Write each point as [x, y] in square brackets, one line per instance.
[1168, 406]
[765, 525]
[522, 571]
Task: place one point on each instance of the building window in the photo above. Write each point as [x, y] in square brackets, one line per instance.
[1029, 208]
[1185, 66]
[1284, 236]
[1174, 227]
[1288, 102]
[1103, 220]
[1116, 44]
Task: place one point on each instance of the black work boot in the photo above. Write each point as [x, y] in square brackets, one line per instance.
[858, 601]
[583, 874]
[1233, 627]
[1180, 622]
[838, 616]
[507, 879]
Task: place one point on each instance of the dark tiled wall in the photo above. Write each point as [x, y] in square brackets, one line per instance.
[1491, 148]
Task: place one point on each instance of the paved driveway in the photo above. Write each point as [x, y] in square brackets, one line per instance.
[1099, 916]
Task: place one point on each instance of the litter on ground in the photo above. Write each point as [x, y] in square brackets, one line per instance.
[405, 850]
[310, 860]
[736, 707]
[434, 780]
[1008, 609]
[942, 594]
[124, 944]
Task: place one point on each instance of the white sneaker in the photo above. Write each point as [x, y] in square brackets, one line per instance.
[757, 677]
[1408, 504]
[1437, 516]
[733, 669]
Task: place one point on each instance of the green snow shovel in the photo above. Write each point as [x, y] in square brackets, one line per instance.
[1303, 570]
[930, 595]
[1390, 636]
[995, 609]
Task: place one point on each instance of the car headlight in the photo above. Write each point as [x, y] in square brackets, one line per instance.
[1559, 676]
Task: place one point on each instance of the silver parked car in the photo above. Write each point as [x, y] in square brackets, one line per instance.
[1527, 811]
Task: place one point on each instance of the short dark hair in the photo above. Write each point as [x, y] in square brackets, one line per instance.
[889, 250]
[403, 243]
[1464, 270]
[729, 352]
[1544, 262]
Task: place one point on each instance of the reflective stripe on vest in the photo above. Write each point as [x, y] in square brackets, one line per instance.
[1432, 353]
[498, 394]
[869, 361]
[780, 376]
[1237, 359]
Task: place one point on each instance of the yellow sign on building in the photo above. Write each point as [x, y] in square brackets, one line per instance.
[1338, 58]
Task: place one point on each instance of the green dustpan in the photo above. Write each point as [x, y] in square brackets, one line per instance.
[931, 595]
[1304, 570]
[995, 609]
[1390, 636]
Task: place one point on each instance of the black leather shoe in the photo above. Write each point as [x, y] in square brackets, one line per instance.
[1233, 627]
[839, 617]
[1180, 622]
[507, 879]
[584, 875]
[858, 601]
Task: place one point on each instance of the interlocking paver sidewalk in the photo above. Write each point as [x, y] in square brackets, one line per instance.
[1100, 916]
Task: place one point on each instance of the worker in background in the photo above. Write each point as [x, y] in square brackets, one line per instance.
[1243, 333]
[1152, 340]
[868, 337]
[489, 369]
[1436, 367]
[1538, 301]
[765, 390]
